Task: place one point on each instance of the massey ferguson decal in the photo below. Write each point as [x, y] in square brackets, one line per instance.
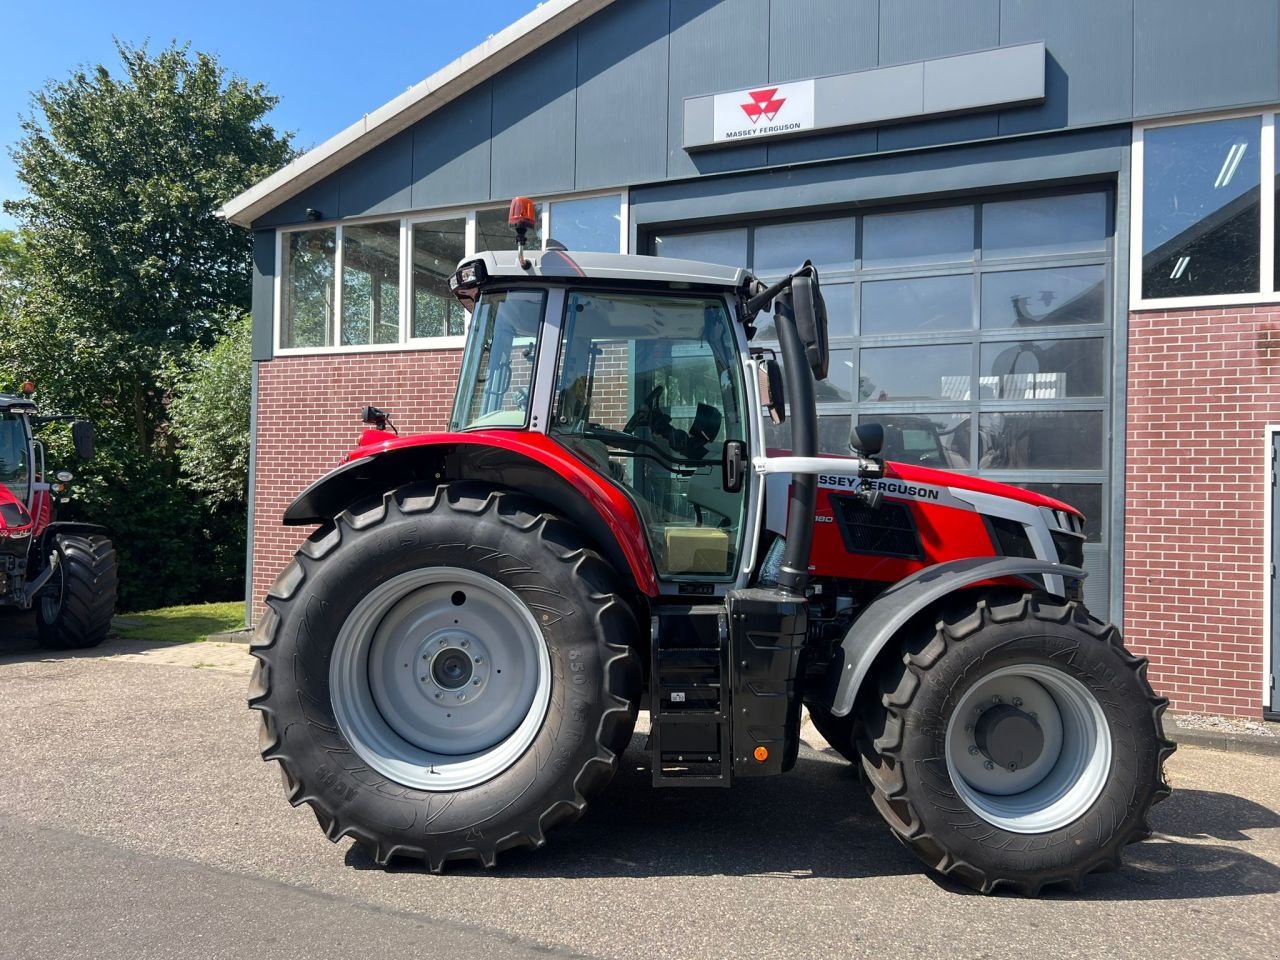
[891, 487]
[767, 111]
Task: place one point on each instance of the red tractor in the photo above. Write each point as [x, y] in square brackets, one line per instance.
[66, 570]
[453, 663]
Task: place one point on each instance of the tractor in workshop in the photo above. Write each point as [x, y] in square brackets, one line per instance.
[453, 663]
[66, 570]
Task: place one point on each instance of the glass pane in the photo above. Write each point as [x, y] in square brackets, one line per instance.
[839, 300]
[1044, 298]
[15, 471]
[306, 316]
[1085, 497]
[1045, 226]
[494, 233]
[838, 387]
[371, 284]
[1042, 369]
[437, 248]
[497, 371]
[781, 248]
[1200, 219]
[917, 305]
[728, 247]
[897, 374]
[927, 439]
[1048, 440]
[833, 434]
[592, 224]
[917, 236]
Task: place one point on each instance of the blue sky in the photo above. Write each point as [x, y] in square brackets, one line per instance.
[329, 62]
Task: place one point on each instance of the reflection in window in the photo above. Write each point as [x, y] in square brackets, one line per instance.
[370, 284]
[497, 370]
[1041, 440]
[1028, 299]
[838, 298]
[917, 237]
[728, 247]
[1200, 216]
[306, 315]
[1042, 369]
[917, 305]
[1045, 226]
[940, 372]
[783, 247]
[437, 248]
[493, 232]
[927, 439]
[833, 434]
[1085, 497]
[591, 224]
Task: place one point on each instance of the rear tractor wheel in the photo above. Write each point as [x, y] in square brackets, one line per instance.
[74, 609]
[445, 673]
[1015, 744]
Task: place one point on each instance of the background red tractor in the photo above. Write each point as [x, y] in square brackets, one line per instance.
[65, 570]
[453, 663]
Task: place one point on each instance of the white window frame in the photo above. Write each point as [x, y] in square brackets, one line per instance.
[1267, 292]
[407, 222]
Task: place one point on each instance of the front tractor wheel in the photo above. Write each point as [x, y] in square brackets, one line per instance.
[1015, 743]
[445, 674]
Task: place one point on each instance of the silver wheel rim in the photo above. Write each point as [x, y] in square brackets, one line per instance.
[1062, 781]
[440, 678]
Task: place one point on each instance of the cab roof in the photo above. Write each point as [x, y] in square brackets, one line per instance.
[16, 404]
[626, 268]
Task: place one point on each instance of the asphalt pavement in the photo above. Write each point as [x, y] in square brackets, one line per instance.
[136, 821]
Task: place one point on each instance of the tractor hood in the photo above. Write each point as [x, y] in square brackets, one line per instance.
[962, 481]
[15, 521]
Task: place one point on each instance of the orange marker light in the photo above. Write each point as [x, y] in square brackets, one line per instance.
[28, 388]
[522, 215]
[762, 754]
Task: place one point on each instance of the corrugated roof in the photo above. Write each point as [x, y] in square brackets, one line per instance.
[548, 21]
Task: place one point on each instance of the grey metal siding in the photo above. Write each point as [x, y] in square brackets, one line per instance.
[263, 292]
[451, 152]
[378, 182]
[1193, 54]
[921, 29]
[715, 45]
[813, 38]
[534, 108]
[622, 96]
[1089, 78]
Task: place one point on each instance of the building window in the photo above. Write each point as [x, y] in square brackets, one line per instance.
[1202, 191]
[385, 284]
[437, 248]
[308, 294]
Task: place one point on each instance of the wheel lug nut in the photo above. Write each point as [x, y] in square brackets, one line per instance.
[462, 696]
[968, 728]
[439, 695]
[463, 644]
[479, 660]
[973, 751]
[426, 656]
[423, 679]
[1013, 767]
[995, 699]
[1017, 701]
[989, 765]
[475, 682]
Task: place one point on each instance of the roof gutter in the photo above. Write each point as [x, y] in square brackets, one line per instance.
[550, 19]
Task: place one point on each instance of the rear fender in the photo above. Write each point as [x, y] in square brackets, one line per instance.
[529, 462]
[889, 612]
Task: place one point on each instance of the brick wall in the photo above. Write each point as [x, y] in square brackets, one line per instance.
[308, 418]
[1202, 386]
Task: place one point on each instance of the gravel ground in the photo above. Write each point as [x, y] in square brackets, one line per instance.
[1203, 721]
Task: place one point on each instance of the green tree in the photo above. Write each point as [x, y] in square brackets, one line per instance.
[128, 275]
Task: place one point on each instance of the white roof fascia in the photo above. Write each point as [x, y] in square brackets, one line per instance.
[536, 28]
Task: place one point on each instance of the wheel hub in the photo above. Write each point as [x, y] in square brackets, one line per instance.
[1008, 737]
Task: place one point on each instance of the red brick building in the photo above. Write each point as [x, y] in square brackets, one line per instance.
[1046, 232]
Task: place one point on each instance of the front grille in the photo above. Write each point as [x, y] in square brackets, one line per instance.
[888, 531]
[1010, 537]
[1070, 547]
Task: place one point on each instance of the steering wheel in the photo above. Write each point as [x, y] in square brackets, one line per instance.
[645, 412]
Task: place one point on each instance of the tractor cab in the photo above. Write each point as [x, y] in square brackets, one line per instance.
[638, 367]
[17, 454]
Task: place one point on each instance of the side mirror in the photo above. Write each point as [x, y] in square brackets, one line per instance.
[82, 437]
[811, 321]
[867, 439]
[772, 394]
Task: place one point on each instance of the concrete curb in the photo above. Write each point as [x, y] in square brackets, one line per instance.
[232, 636]
[1217, 740]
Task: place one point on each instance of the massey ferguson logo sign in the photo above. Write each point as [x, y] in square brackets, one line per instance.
[764, 112]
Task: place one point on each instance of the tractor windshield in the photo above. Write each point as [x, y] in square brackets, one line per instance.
[497, 370]
[15, 464]
[648, 391]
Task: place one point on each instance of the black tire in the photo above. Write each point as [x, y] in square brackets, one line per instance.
[903, 742]
[588, 631]
[74, 609]
[839, 732]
